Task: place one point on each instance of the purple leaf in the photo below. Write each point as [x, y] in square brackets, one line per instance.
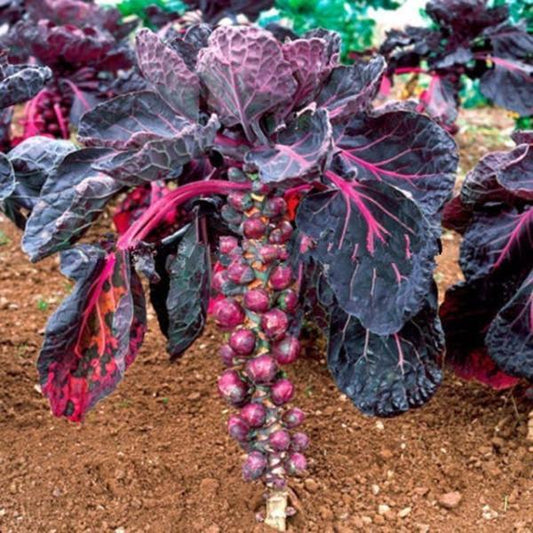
[351, 89]
[510, 83]
[376, 248]
[299, 151]
[312, 61]
[72, 197]
[246, 75]
[441, 100]
[164, 68]
[181, 296]
[33, 160]
[404, 149]
[495, 239]
[510, 335]
[95, 334]
[466, 314]
[130, 121]
[21, 82]
[387, 375]
[161, 158]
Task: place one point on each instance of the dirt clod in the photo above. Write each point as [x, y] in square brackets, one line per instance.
[450, 500]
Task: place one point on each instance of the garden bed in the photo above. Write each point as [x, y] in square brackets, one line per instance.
[156, 455]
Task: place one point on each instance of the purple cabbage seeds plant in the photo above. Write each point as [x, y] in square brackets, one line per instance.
[239, 125]
[488, 318]
[467, 39]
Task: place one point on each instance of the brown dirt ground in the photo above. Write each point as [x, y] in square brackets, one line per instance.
[155, 456]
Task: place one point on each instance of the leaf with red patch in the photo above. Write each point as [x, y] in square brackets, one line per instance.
[95, 334]
[466, 313]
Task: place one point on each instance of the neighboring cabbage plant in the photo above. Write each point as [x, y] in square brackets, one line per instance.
[488, 318]
[467, 39]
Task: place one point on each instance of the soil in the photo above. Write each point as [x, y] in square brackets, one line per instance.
[155, 456]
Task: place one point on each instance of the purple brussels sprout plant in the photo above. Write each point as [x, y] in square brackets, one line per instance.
[289, 197]
[467, 39]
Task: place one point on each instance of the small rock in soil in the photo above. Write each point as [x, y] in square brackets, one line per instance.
[311, 485]
[383, 509]
[404, 512]
[450, 500]
[379, 520]
[325, 513]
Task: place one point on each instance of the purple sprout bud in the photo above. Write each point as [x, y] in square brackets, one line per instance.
[268, 253]
[282, 391]
[280, 277]
[226, 354]
[240, 273]
[220, 281]
[228, 244]
[288, 300]
[238, 429]
[254, 466]
[294, 417]
[274, 324]
[262, 369]
[232, 388]
[243, 341]
[254, 228]
[296, 464]
[240, 200]
[237, 175]
[228, 313]
[282, 233]
[230, 215]
[300, 442]
[275, 207]
[287, 350]
[254, 414]
[257, 300]
[280, 440]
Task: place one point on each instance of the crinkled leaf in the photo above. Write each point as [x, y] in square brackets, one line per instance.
[466, 314]
[311, 60]
[20, 83]
[500, 177]
[510, 336]
[169, 74]
[181, 296]
[246, 75]
[406, 150]
[387, 375]
[161, 158]
[298, 152]
[350, 89]
[456, 215]
[33, 160]
[376, 248]
[130, 121]
[95, 334]
[495, 239]
[71, 199]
